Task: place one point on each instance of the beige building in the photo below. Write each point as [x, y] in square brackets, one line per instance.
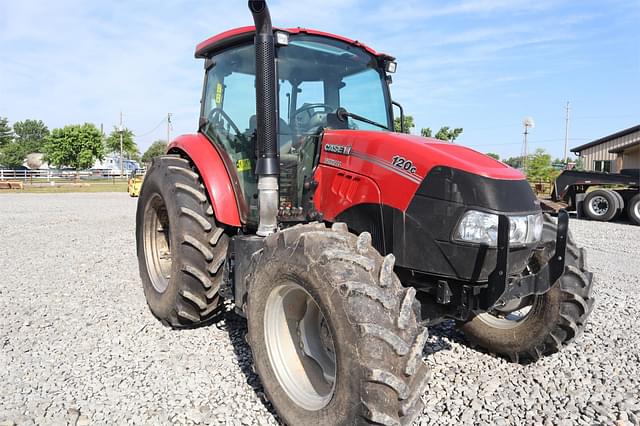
[612, 153]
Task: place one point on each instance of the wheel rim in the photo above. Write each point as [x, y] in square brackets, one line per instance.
[636, 209]
[510, 315]
[599, 205]
[157, 243]
[300, 346]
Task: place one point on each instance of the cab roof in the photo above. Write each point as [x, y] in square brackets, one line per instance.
[238, 35]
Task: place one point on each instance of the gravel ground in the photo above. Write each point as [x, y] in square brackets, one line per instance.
[78, 344]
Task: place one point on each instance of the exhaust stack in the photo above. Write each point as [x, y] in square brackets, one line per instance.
[268, 165]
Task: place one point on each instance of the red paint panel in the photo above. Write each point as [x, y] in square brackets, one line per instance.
[212, 41]
[372, 155]
[214, 175]
[338, 190]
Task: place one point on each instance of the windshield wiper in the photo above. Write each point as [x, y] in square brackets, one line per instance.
[342, 115]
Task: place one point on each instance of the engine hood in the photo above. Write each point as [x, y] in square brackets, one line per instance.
[423, 153]
[369, 167]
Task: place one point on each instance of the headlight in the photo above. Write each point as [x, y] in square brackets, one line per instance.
[482, 228]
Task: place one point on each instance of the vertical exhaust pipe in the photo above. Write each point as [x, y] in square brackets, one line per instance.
[268, 165]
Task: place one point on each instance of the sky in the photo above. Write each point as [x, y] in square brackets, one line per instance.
[480, 65]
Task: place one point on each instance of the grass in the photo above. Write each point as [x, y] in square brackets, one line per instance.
[70, 187]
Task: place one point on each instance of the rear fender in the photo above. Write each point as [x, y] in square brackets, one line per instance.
[214, 173]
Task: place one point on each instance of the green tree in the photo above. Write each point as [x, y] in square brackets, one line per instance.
[129, 147]
[408, 124]
[493, 155]
[444, 134]
[6, 134]
[31, 135]
[515, 162]
[156, 149]
[12, 155]
[540, 167]
[447, 134]
[75, 146]
[579, 164]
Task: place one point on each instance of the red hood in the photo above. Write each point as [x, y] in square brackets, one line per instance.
[424, 153]
[366, 167]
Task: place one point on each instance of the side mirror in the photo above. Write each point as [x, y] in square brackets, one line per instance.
[396, 104]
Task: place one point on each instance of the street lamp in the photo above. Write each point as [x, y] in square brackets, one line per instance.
[527, 122]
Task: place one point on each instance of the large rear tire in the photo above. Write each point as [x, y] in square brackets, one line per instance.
[539, 325]
[333, 333]
[181, 248]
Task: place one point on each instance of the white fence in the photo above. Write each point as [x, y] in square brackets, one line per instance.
[53, 175]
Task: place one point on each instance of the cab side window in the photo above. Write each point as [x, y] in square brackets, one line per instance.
[230, 112]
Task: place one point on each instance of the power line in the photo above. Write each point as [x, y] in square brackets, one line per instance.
[534, 142]
[164, 120]
[598, 117]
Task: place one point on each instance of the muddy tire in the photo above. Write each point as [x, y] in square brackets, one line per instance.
[553, 320]
[181, 248]
[333, 332]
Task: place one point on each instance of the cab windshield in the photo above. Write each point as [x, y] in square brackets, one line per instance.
[316, 76]
[319, 75]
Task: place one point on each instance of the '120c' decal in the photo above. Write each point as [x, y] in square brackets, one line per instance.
[403, 163]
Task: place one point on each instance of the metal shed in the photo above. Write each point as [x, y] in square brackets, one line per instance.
[620, 150]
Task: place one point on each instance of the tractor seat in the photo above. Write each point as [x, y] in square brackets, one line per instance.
[285, 134]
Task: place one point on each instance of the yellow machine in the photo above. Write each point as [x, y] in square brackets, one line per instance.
[135, 183]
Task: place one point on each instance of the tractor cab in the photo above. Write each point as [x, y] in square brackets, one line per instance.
[323, 83]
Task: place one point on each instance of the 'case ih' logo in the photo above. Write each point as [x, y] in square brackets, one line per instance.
[338, 149]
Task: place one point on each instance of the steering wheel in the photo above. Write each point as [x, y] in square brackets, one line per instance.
[306, 108]
[211, 117]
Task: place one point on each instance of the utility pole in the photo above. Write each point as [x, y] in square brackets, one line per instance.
[526, 150]
[121, 156]
[527, 122]
[566, 136]
[168, 128]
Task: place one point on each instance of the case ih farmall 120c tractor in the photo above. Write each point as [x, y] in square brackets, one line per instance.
[340, 240]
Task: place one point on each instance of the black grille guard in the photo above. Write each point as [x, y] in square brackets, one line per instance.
[502, 288]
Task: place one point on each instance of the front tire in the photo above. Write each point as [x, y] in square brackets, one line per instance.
[553, 319]
[181, 248]
[333, 333]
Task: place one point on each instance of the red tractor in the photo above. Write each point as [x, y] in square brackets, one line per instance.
[340, 240]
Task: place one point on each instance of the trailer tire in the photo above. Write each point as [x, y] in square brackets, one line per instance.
[181, 249]
[363, 363]
[633, 209]
[601, 205]
[620, 203]
[554, 319]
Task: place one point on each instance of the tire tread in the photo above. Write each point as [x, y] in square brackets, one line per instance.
[367, 283]
[201, 242]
